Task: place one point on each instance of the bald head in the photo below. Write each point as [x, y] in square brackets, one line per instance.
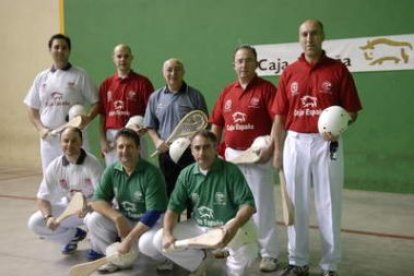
[173, 62]
[314, 22]
[123, 47]
[122, 58]
[311, 36]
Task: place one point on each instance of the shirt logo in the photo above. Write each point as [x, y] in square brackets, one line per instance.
[64, 184]
[227, 105]
[326, 87]
[309, 101]
[138, 196]
[119, 105]
[220, 199]
[109, 96]
[128, 206]
[239, 117]
[132, 95]
[195, 197]
[294, 88]
[205, 212]
[254, 102]
[57, 99]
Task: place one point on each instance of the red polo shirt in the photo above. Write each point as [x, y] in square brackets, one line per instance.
[121, 99]
[244, 114]
[304, 90]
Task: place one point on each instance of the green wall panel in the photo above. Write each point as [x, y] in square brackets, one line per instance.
[203, 34]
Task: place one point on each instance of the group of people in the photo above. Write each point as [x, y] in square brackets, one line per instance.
[140, 205]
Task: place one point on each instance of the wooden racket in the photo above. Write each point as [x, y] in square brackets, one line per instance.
[191, 123]
[112, 256]
[210, 239]
[75, 206]
[287, 206]
[77, 121]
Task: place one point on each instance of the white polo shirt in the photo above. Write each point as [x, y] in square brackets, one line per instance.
[62, 178]
[54, 91]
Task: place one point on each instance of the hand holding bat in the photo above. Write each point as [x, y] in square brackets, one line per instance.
[112, 256]
[211, 239]
[191, 123]
[76, 206]
[79, 121]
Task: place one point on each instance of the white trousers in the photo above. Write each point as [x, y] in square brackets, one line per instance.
[50, 148]
[111, 156]
[241, 253]
[63, 234]
[259, 177]
[307, 163]
[103, 233]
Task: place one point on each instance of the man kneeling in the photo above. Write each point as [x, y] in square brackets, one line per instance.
[139, 190]
[221, 198]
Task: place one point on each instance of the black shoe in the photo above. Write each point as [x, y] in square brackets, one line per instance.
[329, 273]
[295, 270]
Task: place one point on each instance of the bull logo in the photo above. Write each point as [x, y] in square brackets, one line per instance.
[380, 50]
[118, 105]
[58, 97]
[205, 212]
[128, 206]
[239, 117]
[309, 101]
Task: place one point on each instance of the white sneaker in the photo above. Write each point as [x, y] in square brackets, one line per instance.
[268, 264]
[166, 265]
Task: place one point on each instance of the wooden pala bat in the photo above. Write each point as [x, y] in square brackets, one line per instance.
[191, 123]
[78, 122]
[210, 239]
[287, 206]
[76, 205]
[112, 256]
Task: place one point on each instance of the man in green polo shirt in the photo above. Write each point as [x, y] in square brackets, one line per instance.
[221, 198]
[139, 190]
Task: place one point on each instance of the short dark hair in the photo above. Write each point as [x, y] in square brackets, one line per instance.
[128, 133]
[246, 47]
[206, 134]
[73, 129]
[59, 36]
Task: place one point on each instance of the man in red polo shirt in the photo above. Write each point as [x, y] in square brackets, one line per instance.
[309, 159]
[242, 113]
[122, 95]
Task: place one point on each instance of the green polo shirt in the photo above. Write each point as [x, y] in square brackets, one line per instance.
[216, 196]
[142, 191]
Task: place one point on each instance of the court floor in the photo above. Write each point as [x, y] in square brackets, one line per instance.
[377, 235]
